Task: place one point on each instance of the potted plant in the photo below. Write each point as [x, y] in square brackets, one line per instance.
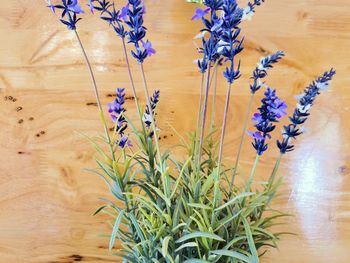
[189, 208]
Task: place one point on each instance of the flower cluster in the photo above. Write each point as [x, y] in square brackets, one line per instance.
[260, 71]
[117, 110]
[70, 10]
[272, 109]
[132, 14]
[301, 112]
[229, 43]
[212, 26]
[109, 14]
[147, 116]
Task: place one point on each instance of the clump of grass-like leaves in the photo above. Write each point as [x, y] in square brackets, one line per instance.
[170, 216]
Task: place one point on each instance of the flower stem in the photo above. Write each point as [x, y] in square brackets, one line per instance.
[94, 85]
[242, 140]
[224, 123]
[275, 169]
[249, 183]
[199, 115]
[132, 84]
[152, 116]
[251, 178]
[205, 107]
[213, 111]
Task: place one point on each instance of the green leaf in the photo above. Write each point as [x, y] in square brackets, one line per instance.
[232, 254]
[195, 260]
[199, 206]
[99, 209]
[250, 239]
[165, 245]
[176, 185]
[234, 200]
[115, 229]
[189, 244]
[199, 234]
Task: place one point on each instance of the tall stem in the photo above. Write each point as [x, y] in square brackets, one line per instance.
[213, 111]
[251, 178]
[274, 171]
[205, 107]
[245, 125]
[224, 123]
[94, 85]
[249, 183]
[199, 115]
[132, 80]
[152, 116]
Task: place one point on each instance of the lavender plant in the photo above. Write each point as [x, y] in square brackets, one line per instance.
[167, 208]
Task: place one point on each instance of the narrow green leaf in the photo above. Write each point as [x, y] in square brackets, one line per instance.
[99, 209]
[234, 200]
[199, 234]
[189, 244]
[195, 260]
[232, 254]
[250, 239]
[165, 245]
[176, 185]
[115, 229]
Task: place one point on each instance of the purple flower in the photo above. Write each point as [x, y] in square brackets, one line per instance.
[200, 13]
[217, 25]
[148, 47]
[91, 6]
[75, 7]
[116, 109]
[124, 141]
[256, 117]
[271, 110]
[279, 108]
[256, 135]
[124, 12]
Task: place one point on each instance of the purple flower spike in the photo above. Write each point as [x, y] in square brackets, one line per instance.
[124, 13]
[148, 47]
[75, 7]
[200, 13]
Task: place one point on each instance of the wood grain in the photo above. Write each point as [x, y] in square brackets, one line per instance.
[47, 199]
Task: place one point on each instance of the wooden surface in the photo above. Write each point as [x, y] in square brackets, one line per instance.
[46, 199]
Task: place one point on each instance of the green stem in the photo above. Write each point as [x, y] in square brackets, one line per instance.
[213, 111]
[152, 116]
[205, 107]
[199, 117]
[274, 171]
[224, 123]
[245, 125]
[251, 178]
[249, 183]
[94, 85]
[132, 82]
